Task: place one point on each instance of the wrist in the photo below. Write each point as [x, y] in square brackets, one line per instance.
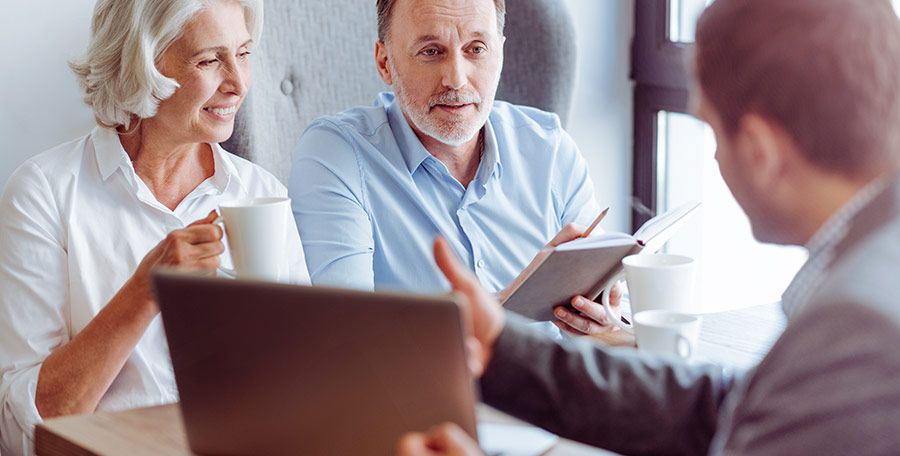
[137, 296]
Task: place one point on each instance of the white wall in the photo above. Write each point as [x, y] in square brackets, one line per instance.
[601, 118]
[40, 105]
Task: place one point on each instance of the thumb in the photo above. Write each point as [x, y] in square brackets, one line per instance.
[460, 278]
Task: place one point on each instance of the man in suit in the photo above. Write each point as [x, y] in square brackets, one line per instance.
[804, 98]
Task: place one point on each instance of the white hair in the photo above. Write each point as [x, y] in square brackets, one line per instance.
[128, 37]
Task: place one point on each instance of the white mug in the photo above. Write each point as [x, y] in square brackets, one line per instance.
[660, 281]
[256, 229]
[665, 332]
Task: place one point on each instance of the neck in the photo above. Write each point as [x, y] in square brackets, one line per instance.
[830, 195]
[171, 169]
[462, 161]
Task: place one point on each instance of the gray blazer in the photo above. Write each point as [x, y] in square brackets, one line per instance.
[829, 385]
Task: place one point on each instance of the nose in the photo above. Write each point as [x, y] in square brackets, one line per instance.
[455, 71]
[235, 81]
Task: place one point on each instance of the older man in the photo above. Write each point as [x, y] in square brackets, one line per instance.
[374, 185]
[805, 101]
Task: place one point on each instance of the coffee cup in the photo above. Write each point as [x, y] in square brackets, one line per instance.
[658, 281]
[256, 230]
[665, 332]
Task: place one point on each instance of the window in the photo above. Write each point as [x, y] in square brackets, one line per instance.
[674, 163]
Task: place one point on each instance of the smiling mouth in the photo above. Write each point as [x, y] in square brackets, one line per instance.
[222, 112]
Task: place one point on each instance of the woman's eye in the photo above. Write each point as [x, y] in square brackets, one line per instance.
[244, 54]
[206, 63]
[431, 52]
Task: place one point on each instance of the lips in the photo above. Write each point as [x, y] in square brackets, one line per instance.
[453, 107]
[222, 111]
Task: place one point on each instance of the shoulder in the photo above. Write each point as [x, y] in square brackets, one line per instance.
[866, 274]
[508, 115]
[830, 379]
[49, 169]
[360, 123]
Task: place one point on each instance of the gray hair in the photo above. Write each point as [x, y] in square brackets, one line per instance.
[384, 8]
[128, 37]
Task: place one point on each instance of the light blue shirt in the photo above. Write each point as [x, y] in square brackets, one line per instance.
[370, 200]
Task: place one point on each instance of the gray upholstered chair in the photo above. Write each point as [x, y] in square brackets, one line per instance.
[317, 57]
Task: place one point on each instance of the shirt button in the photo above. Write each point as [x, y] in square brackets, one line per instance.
[287, 87]
[480, 264]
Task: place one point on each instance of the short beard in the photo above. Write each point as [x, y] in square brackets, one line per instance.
[453, 133]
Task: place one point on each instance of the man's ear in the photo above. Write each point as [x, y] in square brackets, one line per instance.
[381, 62]
[764, 149]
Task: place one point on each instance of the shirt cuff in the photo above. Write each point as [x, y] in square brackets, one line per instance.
[18, 412]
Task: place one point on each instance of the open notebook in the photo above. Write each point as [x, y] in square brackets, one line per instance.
[585, 266]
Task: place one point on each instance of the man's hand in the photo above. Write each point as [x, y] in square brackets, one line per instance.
[482, 315]
[591, 317]
[446, 439]
[568, 233]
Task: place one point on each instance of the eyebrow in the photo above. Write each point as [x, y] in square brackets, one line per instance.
[426, 38]
[219, 48]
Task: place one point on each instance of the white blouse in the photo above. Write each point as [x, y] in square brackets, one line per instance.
[75, 222]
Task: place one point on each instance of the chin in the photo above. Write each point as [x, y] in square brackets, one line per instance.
[218, 135]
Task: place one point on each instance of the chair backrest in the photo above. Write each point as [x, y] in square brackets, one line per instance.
[317, 58]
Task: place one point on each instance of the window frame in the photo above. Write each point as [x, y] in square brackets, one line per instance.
[661, 83]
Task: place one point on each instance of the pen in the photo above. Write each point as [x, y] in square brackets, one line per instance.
[597, 221]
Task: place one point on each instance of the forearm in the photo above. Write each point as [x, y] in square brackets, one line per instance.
[614, 399]
[76, 375]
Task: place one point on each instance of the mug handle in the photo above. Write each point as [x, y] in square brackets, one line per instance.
[627, 327]
[221, 221]
[683, 346]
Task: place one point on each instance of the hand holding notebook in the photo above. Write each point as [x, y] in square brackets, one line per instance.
[585, 266]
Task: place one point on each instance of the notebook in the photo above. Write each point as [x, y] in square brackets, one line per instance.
[585, 266]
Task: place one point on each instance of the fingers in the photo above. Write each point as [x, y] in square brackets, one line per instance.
[568, 233]
[413, 444]
[615, 294]
[590, 318]
[197, 234]
[460, 278]
[575, 322]
[211, 217]
[445, 439]
[450, 439]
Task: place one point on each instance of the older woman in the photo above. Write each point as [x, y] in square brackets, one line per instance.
[84, 223]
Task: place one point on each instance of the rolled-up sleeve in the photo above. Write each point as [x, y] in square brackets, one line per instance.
[33, 297]
[329, 207]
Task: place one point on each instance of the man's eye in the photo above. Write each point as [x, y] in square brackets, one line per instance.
[479, 49]
[430, 52]
[244, 54]
[206, 63]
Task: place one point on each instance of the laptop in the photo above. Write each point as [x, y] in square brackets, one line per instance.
[265, 368]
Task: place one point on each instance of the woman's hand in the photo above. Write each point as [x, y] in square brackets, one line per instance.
[76, 375]
[194, 248]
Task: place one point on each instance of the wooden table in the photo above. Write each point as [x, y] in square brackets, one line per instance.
[735, 338]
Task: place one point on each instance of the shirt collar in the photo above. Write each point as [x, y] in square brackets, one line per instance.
[821, 248]
[414, 153]
[833, 231]
[109, 151]
[111, 156]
